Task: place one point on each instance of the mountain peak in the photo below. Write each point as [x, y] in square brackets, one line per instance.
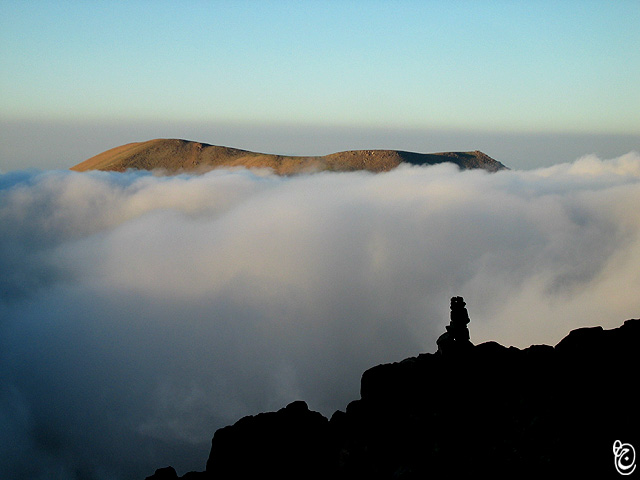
[177, 155]
[465, 410]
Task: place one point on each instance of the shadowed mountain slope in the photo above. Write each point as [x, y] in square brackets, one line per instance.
[175, 155]
[464, 411]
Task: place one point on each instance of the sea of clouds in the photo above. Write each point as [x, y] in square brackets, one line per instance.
[140, 312]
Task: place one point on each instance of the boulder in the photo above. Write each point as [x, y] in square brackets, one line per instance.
[293, 442]
[166, 473]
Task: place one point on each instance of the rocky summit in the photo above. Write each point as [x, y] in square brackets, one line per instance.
[464, 410]
[175, 155]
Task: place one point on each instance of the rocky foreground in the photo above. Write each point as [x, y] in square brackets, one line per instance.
[175, 156]
[466, 410]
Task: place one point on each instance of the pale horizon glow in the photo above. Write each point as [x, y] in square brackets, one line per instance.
[500, 68]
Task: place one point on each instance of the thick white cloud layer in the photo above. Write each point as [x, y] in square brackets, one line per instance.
[139, 313]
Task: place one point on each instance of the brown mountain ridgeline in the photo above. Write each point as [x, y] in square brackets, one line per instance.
[174, 155]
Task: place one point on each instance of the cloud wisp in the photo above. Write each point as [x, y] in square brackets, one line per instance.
[138, 313]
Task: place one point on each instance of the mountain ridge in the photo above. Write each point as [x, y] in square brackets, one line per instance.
[177, 155]
[462, 411]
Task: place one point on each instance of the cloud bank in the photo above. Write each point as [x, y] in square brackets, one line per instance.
[139, 313]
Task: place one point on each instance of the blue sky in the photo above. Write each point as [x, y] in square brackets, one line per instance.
[496, 67]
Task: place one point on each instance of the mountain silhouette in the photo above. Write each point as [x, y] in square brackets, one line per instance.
[463, 411]
[174, 155]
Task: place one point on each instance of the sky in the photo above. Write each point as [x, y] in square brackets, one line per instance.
[524, 80]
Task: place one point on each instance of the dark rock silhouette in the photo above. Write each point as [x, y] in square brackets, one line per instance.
[283, 443]
[465, 410]
[166, 473]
